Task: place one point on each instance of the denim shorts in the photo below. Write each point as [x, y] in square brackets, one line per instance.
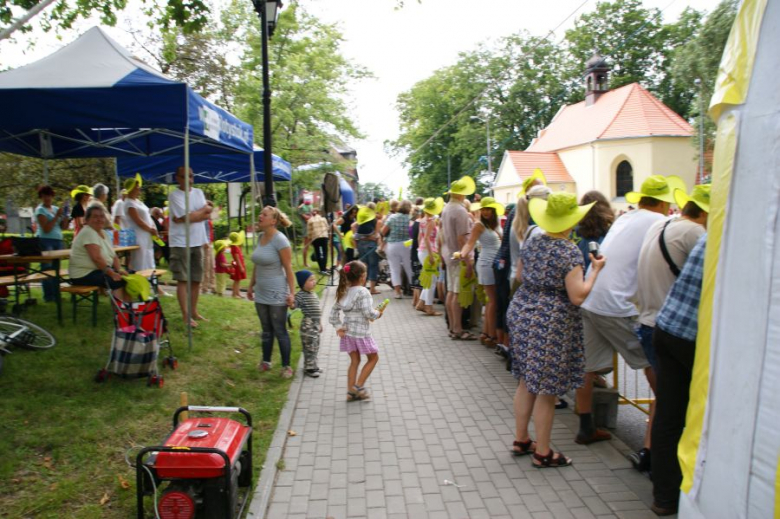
[645, 334]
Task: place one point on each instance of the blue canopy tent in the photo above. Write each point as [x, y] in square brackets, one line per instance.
[207, 168]
[92, 98]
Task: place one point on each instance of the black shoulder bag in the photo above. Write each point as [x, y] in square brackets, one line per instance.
[674, 268]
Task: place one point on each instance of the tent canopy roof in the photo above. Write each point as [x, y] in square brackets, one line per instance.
[92, 98]
[207, 168]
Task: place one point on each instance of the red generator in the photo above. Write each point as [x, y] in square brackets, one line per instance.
[197, 472]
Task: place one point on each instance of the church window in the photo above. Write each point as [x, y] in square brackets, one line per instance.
[625, 179]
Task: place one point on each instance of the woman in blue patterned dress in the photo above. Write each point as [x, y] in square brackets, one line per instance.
[545, 326]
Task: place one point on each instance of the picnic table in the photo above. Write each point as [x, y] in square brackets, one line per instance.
[53, 257]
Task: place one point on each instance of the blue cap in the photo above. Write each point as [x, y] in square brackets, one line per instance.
[302, 276]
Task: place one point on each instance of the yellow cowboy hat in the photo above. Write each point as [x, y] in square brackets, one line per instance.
[700, 195]
[464, 186]
[559, 212]
[137, 286]
[488, 202]
[383, 208]
[130, 183]
[433, 206]
[220, 245]
[237, 238]
[365, 215]
[528, 182]
[658, 187]
[81, 189]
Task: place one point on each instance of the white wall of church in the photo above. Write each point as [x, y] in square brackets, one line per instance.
[676, 156]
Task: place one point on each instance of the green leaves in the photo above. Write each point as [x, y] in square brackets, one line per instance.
[520, 82]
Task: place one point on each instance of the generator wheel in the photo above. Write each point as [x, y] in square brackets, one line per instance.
[101, 376]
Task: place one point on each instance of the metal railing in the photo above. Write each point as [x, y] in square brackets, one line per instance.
[633, 388]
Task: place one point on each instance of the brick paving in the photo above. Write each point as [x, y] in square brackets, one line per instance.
[441, 410]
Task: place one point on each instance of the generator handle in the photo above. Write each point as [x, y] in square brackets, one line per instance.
[211, 409]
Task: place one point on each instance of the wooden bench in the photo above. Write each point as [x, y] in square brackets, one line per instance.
[81, 293]
[30, 278]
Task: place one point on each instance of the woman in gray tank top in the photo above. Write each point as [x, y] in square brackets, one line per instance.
[272, 286]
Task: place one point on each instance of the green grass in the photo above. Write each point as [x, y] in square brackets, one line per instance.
[63, 437]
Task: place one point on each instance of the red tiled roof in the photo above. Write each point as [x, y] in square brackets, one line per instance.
[629, 111]
[525, 162]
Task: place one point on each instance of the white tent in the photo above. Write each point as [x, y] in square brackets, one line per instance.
[729, 449]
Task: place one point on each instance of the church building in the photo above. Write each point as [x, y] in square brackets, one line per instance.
[611, 142]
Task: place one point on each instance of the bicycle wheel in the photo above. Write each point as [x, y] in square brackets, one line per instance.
[33, 338]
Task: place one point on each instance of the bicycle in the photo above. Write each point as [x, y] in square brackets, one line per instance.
[23, 334]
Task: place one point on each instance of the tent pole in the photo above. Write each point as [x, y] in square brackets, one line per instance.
[227, 190]
[292, 206]
[45, 172]
[188, 260]
[118, 191]
[254, 197]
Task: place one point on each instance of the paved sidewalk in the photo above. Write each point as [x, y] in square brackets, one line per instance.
[441, 410]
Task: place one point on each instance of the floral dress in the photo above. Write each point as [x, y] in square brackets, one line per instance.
[545, 328]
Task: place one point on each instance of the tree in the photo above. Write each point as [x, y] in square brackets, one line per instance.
[628, 35]
[516, 85]
[310, 80]
[189, 15]
[369, 191]
[699, 58]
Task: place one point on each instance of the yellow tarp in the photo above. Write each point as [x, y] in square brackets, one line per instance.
[731, 88]
[725, 148]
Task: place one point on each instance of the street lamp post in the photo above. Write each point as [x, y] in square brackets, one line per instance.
[486, 120]
[268, 10]
[700, 176]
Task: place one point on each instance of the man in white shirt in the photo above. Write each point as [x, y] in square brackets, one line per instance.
[664, 251]
[118, 210]
[609, 313]
[200, 211]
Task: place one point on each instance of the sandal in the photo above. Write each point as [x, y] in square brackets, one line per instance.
[464, 336]
[550, 461]
[490, 342]
[483, 338]
[524, 448]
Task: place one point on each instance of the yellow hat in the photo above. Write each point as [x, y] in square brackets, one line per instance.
[433, 206]
[559, 212]
[700, 195]
[658, 187]
[81, 189]
[137, 286]
[383, 208]
[220, 245]
[130, 183]
[237, 238]
[365, 215]
[465, 186]
[488, 202]
[528, 182]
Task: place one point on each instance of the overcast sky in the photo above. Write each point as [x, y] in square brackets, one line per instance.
[404, 46]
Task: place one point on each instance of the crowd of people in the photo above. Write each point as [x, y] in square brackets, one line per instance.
[558, 284]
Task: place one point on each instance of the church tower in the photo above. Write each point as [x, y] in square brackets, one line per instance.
[596, 78]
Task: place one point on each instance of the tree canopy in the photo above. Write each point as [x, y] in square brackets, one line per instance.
[521, 82]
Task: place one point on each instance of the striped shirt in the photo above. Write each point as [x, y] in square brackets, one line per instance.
[309, 304]
[679, 316]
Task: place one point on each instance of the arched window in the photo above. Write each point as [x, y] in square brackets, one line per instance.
[625, 179]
